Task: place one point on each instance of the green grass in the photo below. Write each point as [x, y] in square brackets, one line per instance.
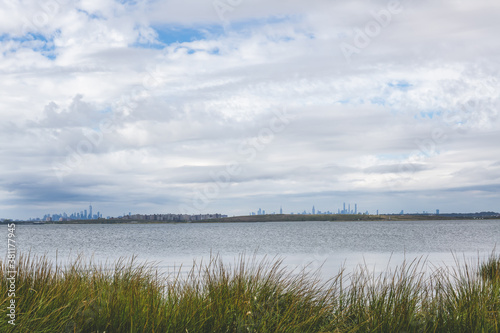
[490, 270]
[251, 296]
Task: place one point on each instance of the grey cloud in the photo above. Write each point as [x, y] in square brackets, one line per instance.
[492, 188]
[33, 192]
[78, 114]
[396, 168]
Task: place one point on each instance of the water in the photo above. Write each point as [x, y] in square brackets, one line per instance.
[331, 245]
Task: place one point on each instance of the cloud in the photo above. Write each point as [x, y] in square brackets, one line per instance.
[142, 103]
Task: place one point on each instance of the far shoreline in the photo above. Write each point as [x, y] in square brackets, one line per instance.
[280, 218]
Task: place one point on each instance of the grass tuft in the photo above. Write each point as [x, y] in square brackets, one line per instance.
[490, 270]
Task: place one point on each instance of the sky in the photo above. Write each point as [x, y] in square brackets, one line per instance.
[228, 106]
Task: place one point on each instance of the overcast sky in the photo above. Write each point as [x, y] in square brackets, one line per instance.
[228, 106]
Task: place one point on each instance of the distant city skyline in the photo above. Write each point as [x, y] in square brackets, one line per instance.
[339, 208]
[81, 215]
[313, 211]
[161, 216]
[343, 208]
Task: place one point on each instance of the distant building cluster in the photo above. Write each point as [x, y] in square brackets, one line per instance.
[172, 217]
[348, 210]
[87, 215]
[82, 215]
[345, 210]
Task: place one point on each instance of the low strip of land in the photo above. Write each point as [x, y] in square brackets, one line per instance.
[340, 217]
[287, 218]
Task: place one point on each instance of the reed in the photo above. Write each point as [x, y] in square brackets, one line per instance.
[250, 296]
[490, 269]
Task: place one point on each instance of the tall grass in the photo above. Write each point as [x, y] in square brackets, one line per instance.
[251, 296]
[491, 268]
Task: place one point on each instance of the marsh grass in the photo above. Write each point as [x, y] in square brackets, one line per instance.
[490, 269]
[251, 296]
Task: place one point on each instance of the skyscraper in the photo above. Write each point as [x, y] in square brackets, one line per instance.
[281, 210]
[90, 212]
[355, 208]
[313, 211]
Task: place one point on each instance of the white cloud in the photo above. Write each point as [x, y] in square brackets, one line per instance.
[102, 100]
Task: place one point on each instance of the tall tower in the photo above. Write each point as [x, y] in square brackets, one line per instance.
[355, 208]
[90, 212]
[343, 211]
[313, 210]
[281, 210]
[349, 209]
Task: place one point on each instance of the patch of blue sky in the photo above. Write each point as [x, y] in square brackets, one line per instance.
[46, 48]
[49, 55]
[214, 51]
[172, 34]
[280, 38]
[93, 16]
[401, 85]
[249, 25]
[428, 114]
[37, 42]
[105, 110]
[378, 101]
[128, 2]
[27, 38]
[169, 34]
